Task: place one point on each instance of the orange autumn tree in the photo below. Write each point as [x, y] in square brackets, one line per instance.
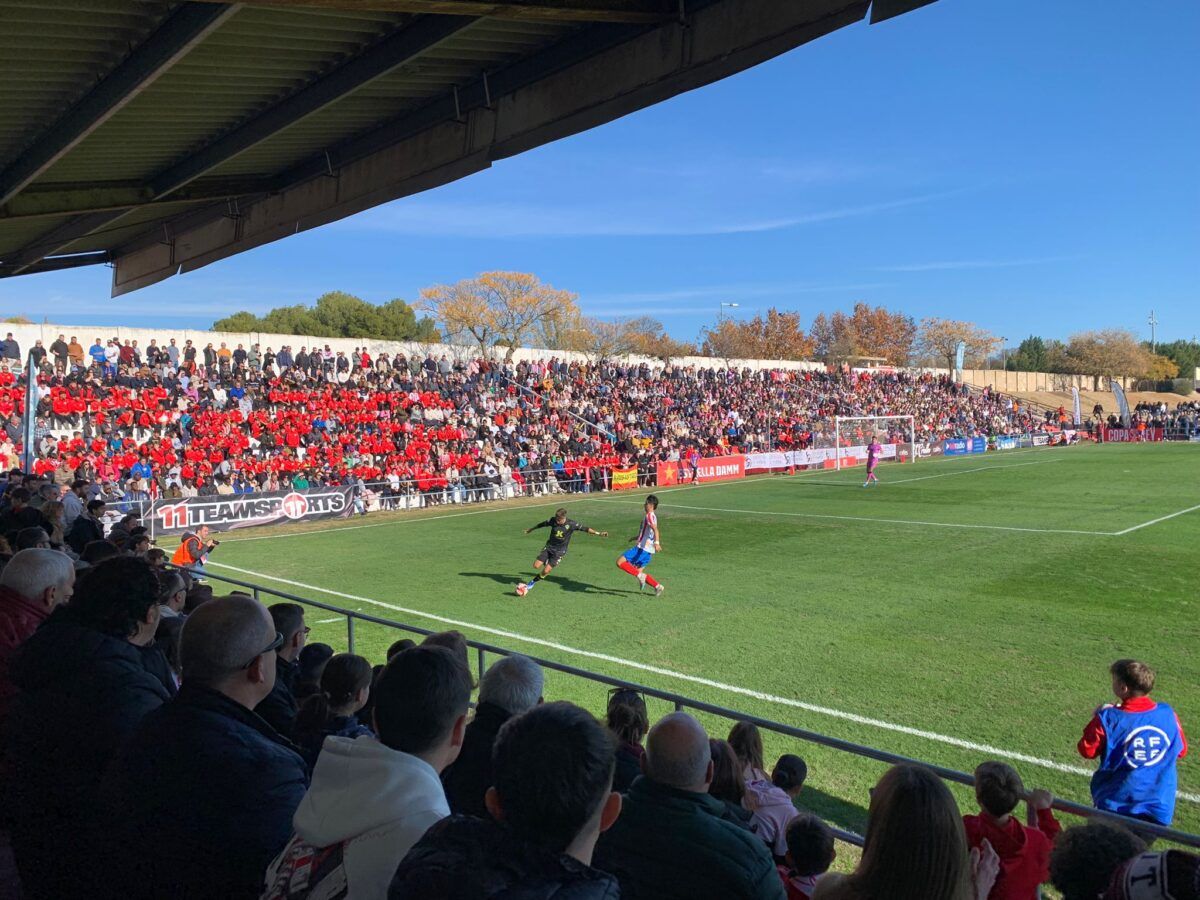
[867, 331]
[500, 309]
[777, 335]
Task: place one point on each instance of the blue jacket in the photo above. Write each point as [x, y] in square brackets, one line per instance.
[1137, 774]
[200, 801]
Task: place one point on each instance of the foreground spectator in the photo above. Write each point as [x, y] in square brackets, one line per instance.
[810, 853]
[727, 783]
[672, 840]
[87, 528]
[345, 686]
[83, 688]
[1173, 875]
[202, 797]
[310, 666]
[1024, 851]
[1086, 857]
[279, 707]
[747, 743]
[629, 721]
[915, 847]
[551, 799]
[773, 803]
[371, 800]
[32, 584]
[1137, 742]
[511, 686]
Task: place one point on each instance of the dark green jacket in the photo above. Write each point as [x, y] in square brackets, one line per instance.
[670, 844]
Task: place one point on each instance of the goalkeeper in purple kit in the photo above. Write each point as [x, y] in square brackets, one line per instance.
[874, 452]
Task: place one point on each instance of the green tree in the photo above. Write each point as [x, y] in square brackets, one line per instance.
[1030, 356]
[239, 321]
[338, 314]
[1185, 354]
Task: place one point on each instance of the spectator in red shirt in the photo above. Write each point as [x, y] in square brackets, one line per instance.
[1024, 850]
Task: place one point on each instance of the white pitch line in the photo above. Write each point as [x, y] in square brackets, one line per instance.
[1181, 512]
[474, 512]
[1037, 462]
[694, 679]
[798, 515]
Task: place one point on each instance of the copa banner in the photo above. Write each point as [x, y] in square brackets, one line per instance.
[714, 468]
[225, 513]
[1130, 435]
[624, 479]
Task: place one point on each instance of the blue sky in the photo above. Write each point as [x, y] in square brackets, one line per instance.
[1027, 165]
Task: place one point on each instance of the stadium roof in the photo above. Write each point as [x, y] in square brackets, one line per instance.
[160, 137]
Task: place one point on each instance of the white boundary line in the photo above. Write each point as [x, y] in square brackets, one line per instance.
[798, 515]
[1036, 462]
[695, 679]
[1156, 521]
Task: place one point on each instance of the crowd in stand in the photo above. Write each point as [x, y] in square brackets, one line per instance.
[157, 741]
[179, 421]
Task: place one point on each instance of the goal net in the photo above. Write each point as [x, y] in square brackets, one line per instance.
[853, 434]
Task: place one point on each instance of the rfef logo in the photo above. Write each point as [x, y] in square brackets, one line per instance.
[1146, 746]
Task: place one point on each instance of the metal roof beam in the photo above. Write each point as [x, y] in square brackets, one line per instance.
[627, 11]
[400, 47]
[70, 199]
[58, 263]
[171, 42]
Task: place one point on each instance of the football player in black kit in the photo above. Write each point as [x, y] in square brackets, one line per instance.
[562, 530]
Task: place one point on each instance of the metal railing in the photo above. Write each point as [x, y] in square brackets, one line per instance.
[682, 702]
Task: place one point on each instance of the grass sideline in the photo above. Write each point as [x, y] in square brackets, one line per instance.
[983, 608]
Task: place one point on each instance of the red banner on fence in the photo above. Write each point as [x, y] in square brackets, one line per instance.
[714, 468]
[1130, 435]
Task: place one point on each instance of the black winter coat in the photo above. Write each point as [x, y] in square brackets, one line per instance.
[81, 695]
[669, 844]
[464, 858]
[83, 531]
[199, 802]
[279, 707]
[468, 778]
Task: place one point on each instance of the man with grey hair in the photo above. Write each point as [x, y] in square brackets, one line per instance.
[31, 585]
[672, 840]
[172, 596]
[202, 797]
[510, 687]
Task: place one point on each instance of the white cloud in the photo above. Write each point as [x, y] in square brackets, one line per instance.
[433, 218]
[947, 265]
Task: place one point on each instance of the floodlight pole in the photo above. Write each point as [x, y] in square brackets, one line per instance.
[1153, 322]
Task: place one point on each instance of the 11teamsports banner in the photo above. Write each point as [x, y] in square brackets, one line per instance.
[225, 513]
[625, 479]
[714, 468]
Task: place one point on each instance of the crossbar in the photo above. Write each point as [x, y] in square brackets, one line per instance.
[682, 702]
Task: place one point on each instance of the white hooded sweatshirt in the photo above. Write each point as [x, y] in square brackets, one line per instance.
[380, 800]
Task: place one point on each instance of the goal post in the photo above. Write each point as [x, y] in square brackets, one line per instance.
[852, 434]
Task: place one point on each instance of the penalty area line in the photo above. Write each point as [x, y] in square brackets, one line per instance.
[694, 679]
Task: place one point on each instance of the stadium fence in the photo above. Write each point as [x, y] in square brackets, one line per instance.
[682, 702]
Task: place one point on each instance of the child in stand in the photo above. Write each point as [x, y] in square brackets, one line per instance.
[810, 853]
[1137, 742]
[1024, 851]
[772, 804]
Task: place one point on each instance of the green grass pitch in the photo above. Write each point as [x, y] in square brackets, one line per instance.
[965, 602]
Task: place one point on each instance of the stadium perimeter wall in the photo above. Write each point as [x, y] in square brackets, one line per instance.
[47, 333]
[1007, 382]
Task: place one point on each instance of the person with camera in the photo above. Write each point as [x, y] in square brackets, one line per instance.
[194, 549]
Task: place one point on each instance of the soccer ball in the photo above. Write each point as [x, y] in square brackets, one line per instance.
[522, 590]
